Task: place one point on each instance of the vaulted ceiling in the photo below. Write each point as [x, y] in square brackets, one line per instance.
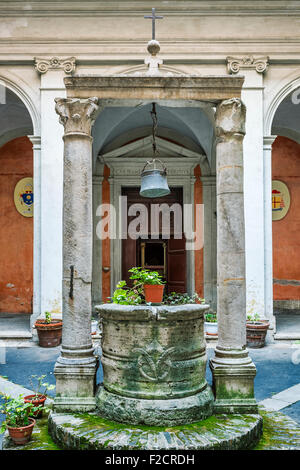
[187, 126]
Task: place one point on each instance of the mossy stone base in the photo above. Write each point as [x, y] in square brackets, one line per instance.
[91, 432]
[171, 412]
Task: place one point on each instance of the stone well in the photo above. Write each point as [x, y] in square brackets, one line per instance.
[154, 362]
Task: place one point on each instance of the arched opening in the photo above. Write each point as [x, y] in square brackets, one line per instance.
[16, 196]
[285, 215]
[122, 145]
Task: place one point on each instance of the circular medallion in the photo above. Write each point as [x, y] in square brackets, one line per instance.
[280, 200]
[23, 197]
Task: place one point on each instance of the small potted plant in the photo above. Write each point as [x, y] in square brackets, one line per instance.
[39, 397]
[150, 281]
[18, 421]
[49, 331]
[256, 331]
[211, 324]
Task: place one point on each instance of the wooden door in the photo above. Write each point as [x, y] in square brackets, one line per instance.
[176, 265]
[175, 248]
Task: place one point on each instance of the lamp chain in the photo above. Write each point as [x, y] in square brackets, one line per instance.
[154, 128]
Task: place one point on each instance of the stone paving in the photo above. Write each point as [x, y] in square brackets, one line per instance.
[278, 376]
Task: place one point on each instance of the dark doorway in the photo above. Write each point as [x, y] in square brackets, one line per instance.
[161, 253]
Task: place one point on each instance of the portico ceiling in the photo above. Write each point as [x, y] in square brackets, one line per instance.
[117, 126]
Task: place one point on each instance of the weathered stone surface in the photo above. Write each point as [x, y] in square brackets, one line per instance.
[170, 412]
[280, 432]
[179, 87]
[233, 371]
[90, 432]
[75, 369]
[153, 354]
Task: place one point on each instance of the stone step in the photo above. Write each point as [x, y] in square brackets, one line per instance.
[16, 338]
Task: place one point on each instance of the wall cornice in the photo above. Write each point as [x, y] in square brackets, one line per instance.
[135, 8]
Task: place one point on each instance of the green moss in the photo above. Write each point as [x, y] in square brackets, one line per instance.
[277, 432]
[95, 422]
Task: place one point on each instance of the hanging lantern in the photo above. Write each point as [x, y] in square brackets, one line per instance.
[153, 179]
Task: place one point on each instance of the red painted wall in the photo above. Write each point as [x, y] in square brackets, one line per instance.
[16, 231]
[286, 232]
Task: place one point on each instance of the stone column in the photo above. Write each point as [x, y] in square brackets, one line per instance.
[232, 368]
[97, 243]
[268, 259]
[75, 369]
[36, 145]
[52, 85]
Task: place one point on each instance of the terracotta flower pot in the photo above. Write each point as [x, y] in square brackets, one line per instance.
[154, 293]
[49, 333]
[256, 332]
[22, 435]
[40, 401]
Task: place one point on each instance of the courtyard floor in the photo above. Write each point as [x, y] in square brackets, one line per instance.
[277, 383]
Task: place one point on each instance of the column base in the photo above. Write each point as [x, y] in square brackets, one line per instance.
[233, 381]
[63, 404]
[75, 384]
[169, 412]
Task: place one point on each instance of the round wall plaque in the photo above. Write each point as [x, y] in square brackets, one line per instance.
[280, 200]
[23, 197]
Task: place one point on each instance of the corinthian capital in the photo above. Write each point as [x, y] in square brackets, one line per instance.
[77, 115]
[230, 118]
[235, 64]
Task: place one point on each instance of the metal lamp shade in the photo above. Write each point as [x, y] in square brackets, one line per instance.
[154, 183]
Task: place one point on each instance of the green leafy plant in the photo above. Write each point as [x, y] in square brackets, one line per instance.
[253, 318]
[144, 276]
[48, 317]
[175, 298]
[39, 386]
[123, 295]
[211, 317]
[17, 412]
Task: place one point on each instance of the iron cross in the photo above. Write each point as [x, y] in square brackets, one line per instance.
[153, 18]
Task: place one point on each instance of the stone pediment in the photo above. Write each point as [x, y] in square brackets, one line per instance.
[130, 159]
[142, 148]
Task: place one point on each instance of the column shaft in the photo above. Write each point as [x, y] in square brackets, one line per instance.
[233, 370]
[268, 141]
[76, 367]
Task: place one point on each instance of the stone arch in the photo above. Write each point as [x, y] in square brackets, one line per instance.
[25, 94]
[281, 93]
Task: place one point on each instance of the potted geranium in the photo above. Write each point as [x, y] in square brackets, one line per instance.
[39, 397]
[211, 324]
[49, 331]
[151, 282]
[19, 421]
[256, 331]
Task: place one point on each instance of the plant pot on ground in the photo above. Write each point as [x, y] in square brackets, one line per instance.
[211, 324]
[256, 331]
[49, 331]
[40, 396]
[19, 421]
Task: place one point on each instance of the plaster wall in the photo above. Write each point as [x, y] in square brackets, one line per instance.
[16, 231]
[286, 233]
